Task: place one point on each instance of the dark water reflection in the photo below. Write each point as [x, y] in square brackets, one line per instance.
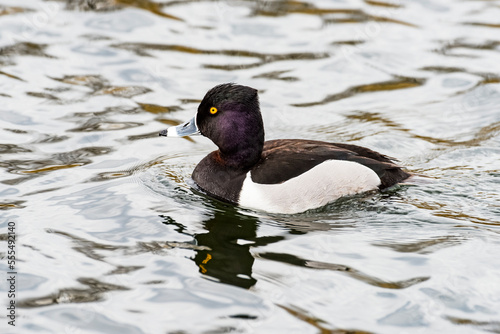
[112, 235]
[223, 256]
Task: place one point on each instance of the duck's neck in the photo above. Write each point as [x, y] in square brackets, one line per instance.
[244, 157]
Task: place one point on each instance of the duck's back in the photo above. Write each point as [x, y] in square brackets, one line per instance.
[284, 159]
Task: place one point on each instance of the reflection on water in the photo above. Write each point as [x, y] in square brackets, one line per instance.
[398, 83]
[353, 273]
[112, 234]
[93, 293]
[226, 248]
[141, 50]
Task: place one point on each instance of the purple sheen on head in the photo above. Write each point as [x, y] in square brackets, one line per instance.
[239, 136]
[237, 128]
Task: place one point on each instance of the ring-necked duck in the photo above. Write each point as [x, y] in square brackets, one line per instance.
[279, 176]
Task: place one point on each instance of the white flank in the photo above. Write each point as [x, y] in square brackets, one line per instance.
[318, 186]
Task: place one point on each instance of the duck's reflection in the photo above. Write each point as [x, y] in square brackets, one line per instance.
[229, 238]
[225, 247]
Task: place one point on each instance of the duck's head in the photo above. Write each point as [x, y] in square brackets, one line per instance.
[229, 115]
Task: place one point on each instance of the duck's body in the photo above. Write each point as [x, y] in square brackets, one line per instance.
[279, 176]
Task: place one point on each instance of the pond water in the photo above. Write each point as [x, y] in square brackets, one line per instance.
[112, 238]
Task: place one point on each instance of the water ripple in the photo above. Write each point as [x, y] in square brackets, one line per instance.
[115, 237]
[351, 272]
[397, 83]
[141, 50]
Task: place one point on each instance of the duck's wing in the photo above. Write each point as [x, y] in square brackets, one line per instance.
[287, 158]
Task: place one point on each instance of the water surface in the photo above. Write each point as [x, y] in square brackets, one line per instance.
[112, 238]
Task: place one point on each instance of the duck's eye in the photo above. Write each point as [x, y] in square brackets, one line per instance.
[213, 110]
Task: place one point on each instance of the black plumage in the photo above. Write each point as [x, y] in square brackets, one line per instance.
[284, 159]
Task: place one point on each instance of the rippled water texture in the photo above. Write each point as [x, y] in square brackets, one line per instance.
[113, 239]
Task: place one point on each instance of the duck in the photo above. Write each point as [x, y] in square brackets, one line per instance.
[283, 176]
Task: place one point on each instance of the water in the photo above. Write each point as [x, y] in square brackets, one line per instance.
[113, 239]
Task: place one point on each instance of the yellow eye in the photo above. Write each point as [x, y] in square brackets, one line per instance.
[213, 110]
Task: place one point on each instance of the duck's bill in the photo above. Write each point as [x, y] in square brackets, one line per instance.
[187, 129]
